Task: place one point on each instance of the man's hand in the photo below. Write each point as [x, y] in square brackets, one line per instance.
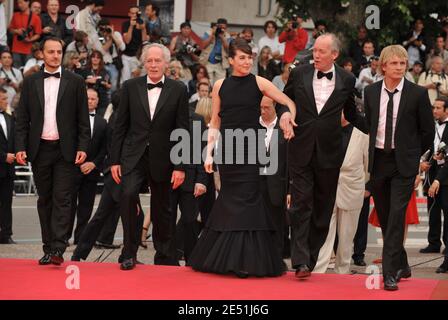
[81, 156]
[199, 189]
[434, 190]
[288, 201]
[115, 170]
[177, 178]
[87, 167]
[366, 194]
[10, 157]
[286, 124]
[438, 156]
[46, 30]
[424, 166]
[21, 158]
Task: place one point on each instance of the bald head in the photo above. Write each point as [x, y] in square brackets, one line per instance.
[267, 106]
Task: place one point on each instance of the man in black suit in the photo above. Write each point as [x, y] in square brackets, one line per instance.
[401, 127]
[53, 132]
[151, 107]
[432, 167]
[274, 185]
[7, 158]
[321, 92]
[89, 172]
[186, 196]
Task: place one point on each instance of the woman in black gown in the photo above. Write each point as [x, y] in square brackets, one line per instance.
[239, 235]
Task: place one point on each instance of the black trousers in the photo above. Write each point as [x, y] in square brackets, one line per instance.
[391, 193]
[55, 180]
[277, 213]
[313, 195]
[161, 214]
[83, 202]
[435, 222]
[360, 240]
[188, 228]
[6, 191]
[109, 229]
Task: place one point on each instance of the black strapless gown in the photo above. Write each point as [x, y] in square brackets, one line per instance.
[239, 235]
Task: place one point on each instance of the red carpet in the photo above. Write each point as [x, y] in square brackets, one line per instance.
[24, 279]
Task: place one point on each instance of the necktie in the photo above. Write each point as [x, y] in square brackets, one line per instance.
[328, 75]
[389, 122]
[48, 75]
[157, 85]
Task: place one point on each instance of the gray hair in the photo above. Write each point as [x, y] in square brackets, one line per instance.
[165, 50]
[335, 42]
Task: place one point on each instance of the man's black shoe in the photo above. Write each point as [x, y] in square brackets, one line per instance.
[128, 264]
[390, 283]
[404, 273]
[45, 260]
[57, 258]
[430, 249]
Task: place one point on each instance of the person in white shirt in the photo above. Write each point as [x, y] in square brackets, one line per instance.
[281, 80]
[34, 64]
[271, 40]
[3, 27]
[10, 77]
[369, 75]
[435, 80]
[88, 18]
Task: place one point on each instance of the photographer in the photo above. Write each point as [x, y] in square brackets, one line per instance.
[215, 50]
[111, 45]
[416, 43]
[435, 80]
[185, 49]
[54, 25]
[98, 78]
[80, 45]
[295, 38]
[10, 77]
[88, 18]
[154, 26]
[26, 28]
[135, 32]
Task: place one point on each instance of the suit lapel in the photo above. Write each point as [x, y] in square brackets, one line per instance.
[7, 128]
[308, 79]
[143, 93]
[403, 99]
[375, 113]
[62, 85]
[95, 126]
[40, 90]
[163, 96]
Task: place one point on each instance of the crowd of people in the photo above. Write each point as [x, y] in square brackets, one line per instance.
[111, 123]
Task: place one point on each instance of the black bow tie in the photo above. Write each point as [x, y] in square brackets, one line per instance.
[92, 114]
[48, 75]
[442, 122]
[157, 85]
[328, 75]
[2, 112]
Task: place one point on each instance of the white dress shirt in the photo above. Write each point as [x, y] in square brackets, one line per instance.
[51, 90]
[92, 123]
[381, 134]
[269, 130]
[440, 128]
[3, 125]
[153, 96]
[323, 88]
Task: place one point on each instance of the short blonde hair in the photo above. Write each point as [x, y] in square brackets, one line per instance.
[204, 108]
[388, 52]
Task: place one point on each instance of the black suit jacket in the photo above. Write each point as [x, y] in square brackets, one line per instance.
[134, 129]
[72, 115]
[319, 132]
[97, 146]
[414, 132]
[277, 183]
[6, 146]
[435, 169]
[195, 172]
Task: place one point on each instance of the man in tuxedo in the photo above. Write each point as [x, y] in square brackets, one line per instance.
[274, 186]
[321, 92]
[349, 200]
[432, 167]
[7, 158]
[151, 107]
[186, 196]
[401, 127]
[53, 132]
[89, 173]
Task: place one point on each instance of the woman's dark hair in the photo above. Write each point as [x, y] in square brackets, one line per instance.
[97, 54]
[241, 45]
[272, 23]
[199, 68]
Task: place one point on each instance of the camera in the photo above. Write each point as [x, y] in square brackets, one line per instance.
[139, 18]
[218, 32]
[105, 29]
[192, 48]
[438, 84]
[295, 24]
[8, 81]
[26, 33]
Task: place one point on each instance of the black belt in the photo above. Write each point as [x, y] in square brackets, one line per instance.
[51, 142]
[385, 152]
